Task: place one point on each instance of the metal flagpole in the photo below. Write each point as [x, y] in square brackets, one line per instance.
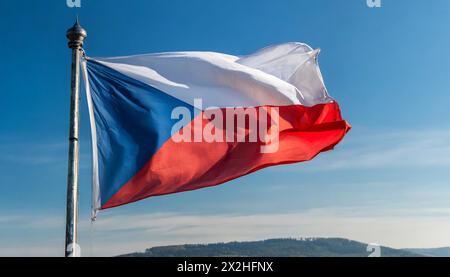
[76, 36]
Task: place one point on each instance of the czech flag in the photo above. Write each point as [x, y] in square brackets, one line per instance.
[172, 122]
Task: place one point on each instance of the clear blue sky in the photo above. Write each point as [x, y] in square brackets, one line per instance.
[388, 67]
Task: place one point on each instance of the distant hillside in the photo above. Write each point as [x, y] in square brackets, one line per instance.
[319, 247]
[431, 252]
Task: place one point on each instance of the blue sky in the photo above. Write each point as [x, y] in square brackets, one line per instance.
[387, 182]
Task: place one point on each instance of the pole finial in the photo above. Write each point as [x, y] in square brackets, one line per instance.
[76, 35]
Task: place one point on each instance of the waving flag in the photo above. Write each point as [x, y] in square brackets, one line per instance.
[171, 122]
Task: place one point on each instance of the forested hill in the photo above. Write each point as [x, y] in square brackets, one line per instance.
[317, 247]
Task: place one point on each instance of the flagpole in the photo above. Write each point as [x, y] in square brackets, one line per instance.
[76, 36]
